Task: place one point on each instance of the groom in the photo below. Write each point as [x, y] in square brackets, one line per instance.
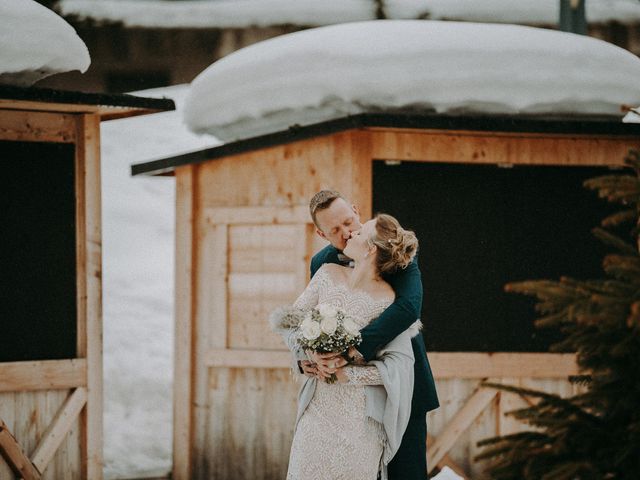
[335, 219]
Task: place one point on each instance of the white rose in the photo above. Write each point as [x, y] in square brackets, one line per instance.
[350, 326]
[310, 329]
[327, 311]
[328, 325]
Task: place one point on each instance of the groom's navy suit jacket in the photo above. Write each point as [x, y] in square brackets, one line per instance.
[404, 311]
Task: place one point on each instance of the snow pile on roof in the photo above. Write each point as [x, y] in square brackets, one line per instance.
[244, 13]
[409, 65]
[35, 42]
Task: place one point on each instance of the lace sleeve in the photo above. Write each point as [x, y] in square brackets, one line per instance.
[365, 375]
[311, 295]
[307, 300]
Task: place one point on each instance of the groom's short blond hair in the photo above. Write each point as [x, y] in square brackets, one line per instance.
[321, 201]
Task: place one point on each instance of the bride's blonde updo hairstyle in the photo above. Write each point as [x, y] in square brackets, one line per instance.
[396, 246]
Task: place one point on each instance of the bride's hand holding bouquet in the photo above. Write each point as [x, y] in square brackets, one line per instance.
[322, 329]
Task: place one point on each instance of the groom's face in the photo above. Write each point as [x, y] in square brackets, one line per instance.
[337, 222]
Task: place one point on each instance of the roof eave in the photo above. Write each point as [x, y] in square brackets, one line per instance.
[577, 124]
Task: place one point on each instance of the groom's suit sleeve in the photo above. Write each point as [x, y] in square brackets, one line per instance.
[404, 311]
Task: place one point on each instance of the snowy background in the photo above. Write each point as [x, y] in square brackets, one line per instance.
[138, 238]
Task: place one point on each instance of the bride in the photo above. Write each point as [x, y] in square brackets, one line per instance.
[352, 428]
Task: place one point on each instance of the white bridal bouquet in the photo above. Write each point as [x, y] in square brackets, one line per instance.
[322, 329]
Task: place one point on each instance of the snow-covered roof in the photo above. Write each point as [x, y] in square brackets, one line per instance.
[35, 42]
[243, 13]
[396, 66]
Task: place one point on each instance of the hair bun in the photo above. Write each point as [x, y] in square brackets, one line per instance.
[396, 246]
[404, 247]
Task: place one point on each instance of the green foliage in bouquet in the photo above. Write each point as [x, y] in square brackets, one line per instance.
[595, 434]
[322, 329]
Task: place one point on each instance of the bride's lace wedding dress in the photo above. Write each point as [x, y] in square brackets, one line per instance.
[334, 439]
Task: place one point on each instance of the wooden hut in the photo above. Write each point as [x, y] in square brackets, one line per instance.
[51, 268]
[492, 198]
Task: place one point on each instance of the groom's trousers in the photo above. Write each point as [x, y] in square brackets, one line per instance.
[410, 461]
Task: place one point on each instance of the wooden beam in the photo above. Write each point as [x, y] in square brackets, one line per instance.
[36, 127]
[444, 365]
[182, 384]
[43, 375]
[12, 452]
[446, 460]
[499, 147]
[59, 428]
[516, 365]
[480, 399]
[89, 327]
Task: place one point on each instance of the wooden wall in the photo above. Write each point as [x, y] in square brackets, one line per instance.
[51, 410]
[27, 415]
[243, 246]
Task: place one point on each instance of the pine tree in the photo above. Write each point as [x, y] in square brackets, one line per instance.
[595, 434]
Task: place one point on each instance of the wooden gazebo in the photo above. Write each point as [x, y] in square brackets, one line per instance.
[51, 269]
[244, 240]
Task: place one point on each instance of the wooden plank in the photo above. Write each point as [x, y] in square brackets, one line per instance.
[509, 402]
[13, 453]
[42, 375]
[362, 172]
[444, 365]
[518, 365]
[250, 426]
[458, 424]
[58, 428]
[499, 148]
[36, 126]
[248, 359]
[182, 425]
[47, 106]
[90, 289]
[210, 318]
[258, 215]
[7, 414]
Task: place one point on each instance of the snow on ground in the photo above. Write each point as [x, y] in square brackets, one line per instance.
[407, 65]
[243, 13]
[35, 42]
[138, 242]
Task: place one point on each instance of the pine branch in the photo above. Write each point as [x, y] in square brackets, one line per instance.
[614, 241]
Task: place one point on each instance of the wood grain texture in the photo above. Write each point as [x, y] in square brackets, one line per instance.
[42, 375]
[25, 126]
[182, 384]
[499, 148]
[90, 289]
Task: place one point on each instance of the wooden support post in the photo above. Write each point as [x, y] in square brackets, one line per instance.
[12, 452]
[182, 384]
[58, 428]
[458, 424]
[89, 261]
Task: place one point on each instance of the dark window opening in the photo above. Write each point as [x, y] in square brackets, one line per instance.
[481, 227]
[38, 252]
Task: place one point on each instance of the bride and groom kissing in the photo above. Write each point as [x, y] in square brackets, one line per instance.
[371, 422]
